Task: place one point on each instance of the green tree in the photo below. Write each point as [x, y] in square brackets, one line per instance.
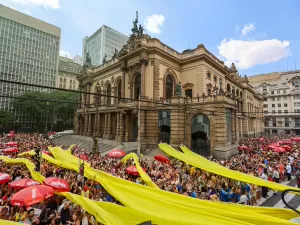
[65, 109]
[39, 105]
[6, 118]
[33, 104]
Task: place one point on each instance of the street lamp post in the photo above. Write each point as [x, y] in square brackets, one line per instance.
[46, 123]
[97, 100]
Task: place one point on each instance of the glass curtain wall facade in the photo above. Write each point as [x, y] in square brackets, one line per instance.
[103, 42]
[27, 55]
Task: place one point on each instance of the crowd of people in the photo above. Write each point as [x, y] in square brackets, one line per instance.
[175, 176]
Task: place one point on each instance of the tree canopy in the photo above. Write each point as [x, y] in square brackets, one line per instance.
[5, 118]
[36, 104]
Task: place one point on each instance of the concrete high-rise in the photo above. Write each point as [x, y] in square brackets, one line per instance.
[29, 53]
[281, 92]
[103, 42]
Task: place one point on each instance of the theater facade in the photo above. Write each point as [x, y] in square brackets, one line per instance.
[189, 98]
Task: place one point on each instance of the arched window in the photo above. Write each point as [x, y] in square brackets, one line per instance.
[137, 86]
[108, 93]
[97, 95]
[228, 88]
[169, 87]
[119, 90]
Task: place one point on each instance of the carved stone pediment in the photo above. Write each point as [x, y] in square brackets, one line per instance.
[187, 86]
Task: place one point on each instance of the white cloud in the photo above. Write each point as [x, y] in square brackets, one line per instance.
[237, 28]
[248, 28]
[54, 4]
[65, 54]
[246, 54]
[153, 22]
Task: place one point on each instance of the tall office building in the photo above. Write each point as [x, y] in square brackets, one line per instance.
[103, 42]
[281, 92]
[29, 53]
[77, 59]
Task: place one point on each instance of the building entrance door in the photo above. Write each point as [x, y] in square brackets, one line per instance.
[200, 135]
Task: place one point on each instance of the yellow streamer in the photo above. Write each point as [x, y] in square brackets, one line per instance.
[209, 166]
[139, 193]
[178, 209]
[35, 175]
[7, 222]
[64, 156]
[142, 173]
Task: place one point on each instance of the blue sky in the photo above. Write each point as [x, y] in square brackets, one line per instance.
[259, 36]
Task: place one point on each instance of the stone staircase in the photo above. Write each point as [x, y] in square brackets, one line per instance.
[68, 140]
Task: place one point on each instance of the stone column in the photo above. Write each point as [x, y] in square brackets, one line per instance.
[80, 96]
[121, 127]
[105, 126]
[114, 94]
[89, 85]
[118, 126]
[143, 63]
[124, 69]
[102, 98]
[127, 125]
[109, 136]
[86, 124]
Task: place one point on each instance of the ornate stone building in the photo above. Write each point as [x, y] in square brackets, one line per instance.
[189, 97]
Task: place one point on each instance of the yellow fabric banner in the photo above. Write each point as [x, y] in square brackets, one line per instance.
[31, 153]
[136, 194]
[200, 162]
[178, 209]
[30, 166]
[142, 173]
[7, 222]
[65, 156]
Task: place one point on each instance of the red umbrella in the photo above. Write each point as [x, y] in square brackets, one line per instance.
[10, 150]
[12, 144]
[32, 195]
[132, 170]
[243, 148]
[261, 139]
[279, 149]
[288, 148]
[162, 159]
[273, 145]
[116, 154]
[23, 183]
[4, 178]
[84, 157]
[57, 184]
[296, 139]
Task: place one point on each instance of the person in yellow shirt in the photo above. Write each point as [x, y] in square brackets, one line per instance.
[20, 215]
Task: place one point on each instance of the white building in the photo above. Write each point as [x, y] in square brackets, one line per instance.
[67, 74]
[281, 93]
[29, 51]
[78, 59]
[103, 42]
